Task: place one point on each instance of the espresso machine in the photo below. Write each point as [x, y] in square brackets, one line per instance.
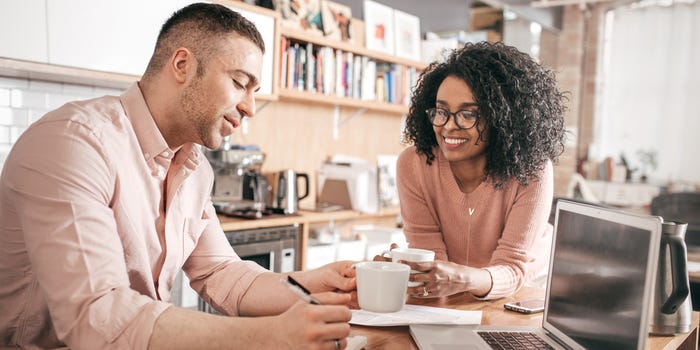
[239, 187]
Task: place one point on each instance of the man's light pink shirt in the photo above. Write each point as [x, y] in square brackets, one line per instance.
[98, 215]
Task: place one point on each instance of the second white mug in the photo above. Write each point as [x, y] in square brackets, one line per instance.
[412, 255]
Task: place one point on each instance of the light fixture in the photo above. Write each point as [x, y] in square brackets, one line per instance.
[552, 3]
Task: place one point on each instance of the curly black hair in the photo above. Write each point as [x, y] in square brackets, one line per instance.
[518, 98]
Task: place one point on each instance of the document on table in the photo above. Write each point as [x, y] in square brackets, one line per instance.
[416, 314]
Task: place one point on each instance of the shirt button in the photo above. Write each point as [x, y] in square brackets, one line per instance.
[165, 154]
[147, 155]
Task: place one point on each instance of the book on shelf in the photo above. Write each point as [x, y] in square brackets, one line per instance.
[339, 76]
[284, 49]
[369, 74]
[357, 77]
[310, 68]
[334, 72]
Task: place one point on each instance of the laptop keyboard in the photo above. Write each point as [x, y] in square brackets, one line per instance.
[514, 340]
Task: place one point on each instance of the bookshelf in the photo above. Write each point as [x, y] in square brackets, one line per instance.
[358, 50]
[406, 71]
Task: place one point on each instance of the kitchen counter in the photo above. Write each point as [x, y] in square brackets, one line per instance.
[304, 219]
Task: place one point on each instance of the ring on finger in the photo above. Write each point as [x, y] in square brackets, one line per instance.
[337, 344]
[426, 292]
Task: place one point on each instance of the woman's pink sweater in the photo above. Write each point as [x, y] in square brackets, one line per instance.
[504, 231]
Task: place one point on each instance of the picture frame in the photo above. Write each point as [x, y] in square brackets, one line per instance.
[379, 27]
[337, 21]
[407, 38]
[302, 15]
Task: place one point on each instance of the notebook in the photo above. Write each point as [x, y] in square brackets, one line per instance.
[599, 288]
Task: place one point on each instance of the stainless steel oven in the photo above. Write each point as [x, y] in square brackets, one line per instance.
[274, 248]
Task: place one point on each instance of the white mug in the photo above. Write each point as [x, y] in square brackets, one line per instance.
[412, 255]
[381, 285]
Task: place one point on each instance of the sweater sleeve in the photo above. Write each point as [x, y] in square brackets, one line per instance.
[420, 220]
[523, 249]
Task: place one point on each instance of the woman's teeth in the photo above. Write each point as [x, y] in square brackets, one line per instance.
[451, 141]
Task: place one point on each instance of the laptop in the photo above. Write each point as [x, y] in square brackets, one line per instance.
[599, 289]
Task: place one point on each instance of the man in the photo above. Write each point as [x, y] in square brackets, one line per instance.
[103, 201]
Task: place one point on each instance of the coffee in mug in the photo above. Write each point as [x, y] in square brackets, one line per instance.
[381, 285]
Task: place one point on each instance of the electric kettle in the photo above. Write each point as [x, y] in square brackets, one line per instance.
[672, 309]
[287, 196]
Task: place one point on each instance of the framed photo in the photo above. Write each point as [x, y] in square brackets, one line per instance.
[301, 14]
[379, 27]
[337, 20]
[407, 35]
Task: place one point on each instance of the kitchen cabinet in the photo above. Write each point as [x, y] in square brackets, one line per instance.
[103, 43]
[23, 30]
[307, 219]
[112, 36]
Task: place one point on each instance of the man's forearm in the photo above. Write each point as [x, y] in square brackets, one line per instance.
[267, 296]
[178, 328]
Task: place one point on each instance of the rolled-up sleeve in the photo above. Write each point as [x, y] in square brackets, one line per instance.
[62, 189]
[216, 272]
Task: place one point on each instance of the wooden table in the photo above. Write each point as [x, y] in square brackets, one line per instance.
[494, 314]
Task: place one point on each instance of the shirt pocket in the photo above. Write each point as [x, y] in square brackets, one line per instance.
[193, 230]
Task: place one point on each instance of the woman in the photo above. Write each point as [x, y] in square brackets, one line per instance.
[476, 187]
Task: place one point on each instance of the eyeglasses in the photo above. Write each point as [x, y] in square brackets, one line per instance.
[465, 119]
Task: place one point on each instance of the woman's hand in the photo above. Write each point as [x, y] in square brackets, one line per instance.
[385, 258]
[443, 278]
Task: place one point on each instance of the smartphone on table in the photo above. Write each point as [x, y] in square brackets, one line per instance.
[530, 306]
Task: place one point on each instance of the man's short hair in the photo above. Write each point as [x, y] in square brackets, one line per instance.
[200, 28]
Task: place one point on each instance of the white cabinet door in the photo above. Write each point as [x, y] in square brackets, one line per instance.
[23, 30]
[108, 35]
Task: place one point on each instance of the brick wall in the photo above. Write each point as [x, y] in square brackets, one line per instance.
[24, 101]
[577, 64]
[569, 74]
[594, 29]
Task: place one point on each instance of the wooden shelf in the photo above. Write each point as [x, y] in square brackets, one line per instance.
[304, 217]
[317, 98]
[322, 41]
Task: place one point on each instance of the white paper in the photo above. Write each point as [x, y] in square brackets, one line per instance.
[416, 314]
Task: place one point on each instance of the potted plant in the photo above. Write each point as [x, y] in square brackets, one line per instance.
[648, 160]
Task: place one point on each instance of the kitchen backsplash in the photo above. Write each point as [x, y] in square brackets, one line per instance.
[24, 101]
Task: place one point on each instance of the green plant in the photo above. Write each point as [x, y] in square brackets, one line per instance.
[648, 160]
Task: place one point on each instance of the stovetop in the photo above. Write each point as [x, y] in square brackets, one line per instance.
[239, 210]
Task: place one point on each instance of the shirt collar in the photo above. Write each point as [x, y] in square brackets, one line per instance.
[150, 139]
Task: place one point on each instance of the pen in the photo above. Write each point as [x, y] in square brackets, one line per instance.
[299, 290]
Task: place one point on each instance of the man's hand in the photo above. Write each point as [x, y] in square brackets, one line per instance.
[334, 277]
[307, 326]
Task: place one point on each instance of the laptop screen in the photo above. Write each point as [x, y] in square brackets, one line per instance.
[599, 273]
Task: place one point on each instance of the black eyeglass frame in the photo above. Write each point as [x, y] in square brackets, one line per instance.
[434, 110]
